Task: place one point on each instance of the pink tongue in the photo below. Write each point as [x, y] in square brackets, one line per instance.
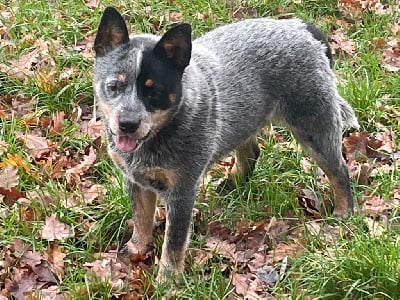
[125, 143]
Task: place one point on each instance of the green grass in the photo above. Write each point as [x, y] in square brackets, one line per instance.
[355, 265]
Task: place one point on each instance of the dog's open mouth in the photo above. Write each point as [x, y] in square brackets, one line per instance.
[125, 143]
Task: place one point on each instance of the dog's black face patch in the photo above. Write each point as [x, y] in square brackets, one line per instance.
[159, 82]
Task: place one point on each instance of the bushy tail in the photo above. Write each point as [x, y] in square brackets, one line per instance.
[348, 117]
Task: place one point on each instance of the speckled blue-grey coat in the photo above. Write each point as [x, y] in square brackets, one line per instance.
[173, 107]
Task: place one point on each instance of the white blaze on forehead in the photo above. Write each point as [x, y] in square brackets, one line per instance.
[139, 58]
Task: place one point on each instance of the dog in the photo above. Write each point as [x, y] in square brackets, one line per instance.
[172, 107]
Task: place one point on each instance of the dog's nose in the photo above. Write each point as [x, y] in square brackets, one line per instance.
[127, 124]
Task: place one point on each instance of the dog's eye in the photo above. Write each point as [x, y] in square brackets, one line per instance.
[113, 86]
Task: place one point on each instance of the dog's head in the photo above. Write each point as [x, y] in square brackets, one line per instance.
[137, 81]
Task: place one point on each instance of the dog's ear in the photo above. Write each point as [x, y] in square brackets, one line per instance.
[176, 45]
[111, 33]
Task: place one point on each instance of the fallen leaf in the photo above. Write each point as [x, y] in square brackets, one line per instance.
[241, 284]
[38, 265]
[11, 195]
[360, 146]
[74, 173]
[92, 3]
[55, 230]
[57, 122]
[391, 58]
[200, 256]
[376, 228]
[267, 276]
[309, 200]
[3, 147]
[17, 161]
[56, 258]
[36, 142]
[9, 177]
[94, 192]
[339, 41]
[23, 281]
[222, 247]
[95, 129]
[282, 250]
[115, 271]
[52, 293]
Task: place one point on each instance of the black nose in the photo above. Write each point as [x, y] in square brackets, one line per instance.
[128, 124]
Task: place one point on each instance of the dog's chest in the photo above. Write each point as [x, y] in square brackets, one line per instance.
[151, 176]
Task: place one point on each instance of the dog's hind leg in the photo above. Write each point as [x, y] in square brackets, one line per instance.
[321, 136]
[246, 156]
[143, 204]
[245, 160]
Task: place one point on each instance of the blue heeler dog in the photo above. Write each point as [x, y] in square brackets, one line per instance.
[172, 107]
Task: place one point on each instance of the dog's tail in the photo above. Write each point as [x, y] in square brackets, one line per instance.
[348, 117]
[320, 36]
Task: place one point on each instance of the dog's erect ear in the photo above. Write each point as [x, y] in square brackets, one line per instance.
[176, 45]
[111, 33]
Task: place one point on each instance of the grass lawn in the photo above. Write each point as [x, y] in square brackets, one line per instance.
[63, 212]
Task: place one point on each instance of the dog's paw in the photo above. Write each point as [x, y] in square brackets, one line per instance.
[135, 252]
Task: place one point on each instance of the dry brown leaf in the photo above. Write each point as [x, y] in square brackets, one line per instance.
[375, 205]
[22, 68]
[56, 258]
[22, 282]
[38, 265]
[391, 58]
[113, 270]
[53, 229]
[241, 283]
[11, 195]
[57, 122]
[95, 129]
[267, 276]
[387, 141]
[359, 146]
[222, 247]
[310, 201]
[8, 177]
[92, 3]
[94, 192]
[85, 46]
[339, 41]
[172, 16]
[282, 250]
[36, 60]
[3, 147]
[46, 80]
[74, 173]
[306, 165]
[36, 142]
[376, 227]
[200, 256]
[16, 160]
[52, 293]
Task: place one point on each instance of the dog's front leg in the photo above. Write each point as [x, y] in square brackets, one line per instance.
[143, 204]
[179, 206]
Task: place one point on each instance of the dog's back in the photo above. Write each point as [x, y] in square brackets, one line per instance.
[262, 70]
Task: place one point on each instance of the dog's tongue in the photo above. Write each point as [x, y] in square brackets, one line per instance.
[125, 143]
